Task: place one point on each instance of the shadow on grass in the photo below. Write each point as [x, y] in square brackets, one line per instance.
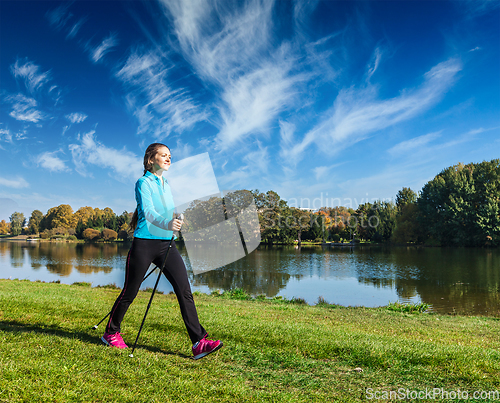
[52, 330]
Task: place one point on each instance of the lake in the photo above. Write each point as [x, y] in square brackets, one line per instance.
[451, 280]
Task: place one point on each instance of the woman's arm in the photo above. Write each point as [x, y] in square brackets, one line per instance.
[144, 196]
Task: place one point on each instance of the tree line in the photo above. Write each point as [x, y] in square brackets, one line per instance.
[62, 222]
[459, 207]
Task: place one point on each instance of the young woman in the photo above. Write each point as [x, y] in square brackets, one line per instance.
[154, 225]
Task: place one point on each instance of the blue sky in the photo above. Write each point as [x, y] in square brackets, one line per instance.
[325, 102]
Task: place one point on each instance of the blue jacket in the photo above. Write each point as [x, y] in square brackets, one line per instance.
[155, 207]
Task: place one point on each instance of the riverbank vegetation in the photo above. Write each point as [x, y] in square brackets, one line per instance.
[459, 207]
[274, 350]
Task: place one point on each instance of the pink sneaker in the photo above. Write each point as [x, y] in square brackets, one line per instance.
[205, 347]
[113, 340]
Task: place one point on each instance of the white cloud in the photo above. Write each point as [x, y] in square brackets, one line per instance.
[33, 78]
[192, 178]
[287, 131]
[181, 150]
[123, 163]
[232, 48]
[21, 135]
[407, 147]
[377, 56]
[24, 108]
[103, 48]
[75, 28]
[253, 102]
[474, 8]
[76, 117]
[59, 16]
[319, 172]
[50, 161]
[16, 183]
[253, 167]
[159, 108]
[357, 113]
[5, 135]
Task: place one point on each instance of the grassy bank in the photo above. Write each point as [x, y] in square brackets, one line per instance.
[275, 351]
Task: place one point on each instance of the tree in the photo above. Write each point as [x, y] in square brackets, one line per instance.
[84, 214]
[60, 216]
[109, 219]
[97, 221]
[17, 223]
[272, 217]
[4, 227]
[124, 218]
[90, 234]
[461, 206]
[301, 222]
[108, 234]
[34, 222]
[340, 219]
[80, 227]
[317, 226]
[404, 197]
[407, 228]
[375, 222]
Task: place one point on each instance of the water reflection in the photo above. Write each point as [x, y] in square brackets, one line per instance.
[451, 280]
[62, 258]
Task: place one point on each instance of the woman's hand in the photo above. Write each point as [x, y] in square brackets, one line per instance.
[175, 225]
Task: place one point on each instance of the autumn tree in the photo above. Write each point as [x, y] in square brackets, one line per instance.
[108, 234]
[109, 219]
[84, 214]
[61, 216]
[34, 222]
[341, 218]
[91, 234]
[4, 227]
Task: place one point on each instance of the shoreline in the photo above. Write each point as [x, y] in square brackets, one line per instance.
[241, 295]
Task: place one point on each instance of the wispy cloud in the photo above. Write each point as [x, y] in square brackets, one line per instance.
[474, 8]
[358, 113]
[5, 135]
[50, 161]
[253, 102]
[76, 117]
[159, 108]
[122, 163]
[254, 168]
[232, 47]
[407, 147]
[75, 28]
[31, 74]
[24, 108]
[16, 183]
[59, 17]
[372, 68]
[99, 51]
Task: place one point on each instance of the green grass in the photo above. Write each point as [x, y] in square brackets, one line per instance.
[408, 308]
[275, 350]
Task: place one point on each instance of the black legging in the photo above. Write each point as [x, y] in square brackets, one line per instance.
[142, 253]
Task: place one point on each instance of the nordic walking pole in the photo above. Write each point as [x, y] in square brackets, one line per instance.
[109, 313]
[131, 355]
